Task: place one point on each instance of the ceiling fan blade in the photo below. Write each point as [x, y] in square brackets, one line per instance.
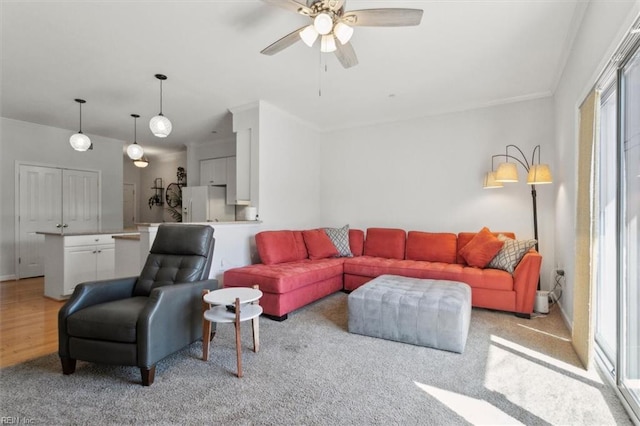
[283, 43]
[291, 5]
[346, 55]
[383, 17]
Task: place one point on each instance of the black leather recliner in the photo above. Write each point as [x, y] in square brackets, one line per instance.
[140, 320]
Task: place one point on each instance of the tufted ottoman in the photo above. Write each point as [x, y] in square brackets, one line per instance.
[424, 312]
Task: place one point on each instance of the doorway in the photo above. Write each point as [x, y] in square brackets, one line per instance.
[128, 205]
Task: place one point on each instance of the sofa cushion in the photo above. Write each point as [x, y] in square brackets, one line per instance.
[340, 239]
[284, 277]
[356, 241]
[385, 242]
[280, 246]
[432, 247]
[511, 253]
[481, 249]
[367, 266]
[319, 244]
[465, 237]
[114, 321]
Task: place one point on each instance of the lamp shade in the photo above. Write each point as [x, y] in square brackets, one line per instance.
[141, 162]
[327, 44]
[80, 141]
[507, 172]
[135, 151]
[160, 126]
[490, 181]
[539, 174]
[323, 23]
[343, 32]
[309, 35]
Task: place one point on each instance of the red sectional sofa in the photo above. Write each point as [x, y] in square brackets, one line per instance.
[290, 279]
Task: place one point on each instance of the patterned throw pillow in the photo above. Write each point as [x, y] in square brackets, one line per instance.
[340, 238]
[510, 254]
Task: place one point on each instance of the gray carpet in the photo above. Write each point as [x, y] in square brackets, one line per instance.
[310, 370]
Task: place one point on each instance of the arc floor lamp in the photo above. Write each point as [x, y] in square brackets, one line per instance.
[537, 174]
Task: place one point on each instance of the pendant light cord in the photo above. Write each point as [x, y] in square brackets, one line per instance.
[80, 103]
[160, 97]
[135, 133]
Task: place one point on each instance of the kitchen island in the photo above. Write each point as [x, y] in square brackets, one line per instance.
[73, 258]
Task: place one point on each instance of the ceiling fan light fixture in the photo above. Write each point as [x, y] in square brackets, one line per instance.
[328, 44]
[343, 32]
[309, 35]
[323, 23]
[141, 162]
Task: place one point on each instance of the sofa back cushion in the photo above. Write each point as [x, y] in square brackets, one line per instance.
[356, 241]
[465, 237]
[280, 246]
[319, 245]
[431, 246]
[385, 242]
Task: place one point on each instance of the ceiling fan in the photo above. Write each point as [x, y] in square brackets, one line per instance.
[333, 25]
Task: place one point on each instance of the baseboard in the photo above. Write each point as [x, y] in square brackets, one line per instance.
[566, 319]
[8, 277]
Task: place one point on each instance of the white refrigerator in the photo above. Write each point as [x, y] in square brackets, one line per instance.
[195, 204]
[206, 204]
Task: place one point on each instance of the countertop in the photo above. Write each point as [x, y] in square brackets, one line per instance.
[133, 237]
[74, 234]
[236, 222]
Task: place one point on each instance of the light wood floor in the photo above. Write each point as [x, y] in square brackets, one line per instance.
[28, 321]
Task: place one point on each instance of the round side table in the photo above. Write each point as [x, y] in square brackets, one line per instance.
[231, 305]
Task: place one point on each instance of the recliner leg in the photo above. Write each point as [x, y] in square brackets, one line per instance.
[68, 365]
[148, 375]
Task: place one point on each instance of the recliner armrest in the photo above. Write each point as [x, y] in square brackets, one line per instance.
[171, 319]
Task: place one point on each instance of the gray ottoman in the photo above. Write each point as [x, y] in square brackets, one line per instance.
[422, 312]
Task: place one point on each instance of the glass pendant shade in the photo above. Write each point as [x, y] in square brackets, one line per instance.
[135, 151]
[309, 35]
[160, 126]
[141, 162]
[507, 172]
[327, 44]
[80, 142]
[490, 181]
[539, 174]
[343, 32]
[323, 23]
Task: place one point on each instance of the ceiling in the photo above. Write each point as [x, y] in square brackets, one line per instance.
[465, 54]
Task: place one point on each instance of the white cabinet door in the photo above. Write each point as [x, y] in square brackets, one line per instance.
[213, 171]
[231, 181]
[105, 261]
[79, 266]
[243, 167]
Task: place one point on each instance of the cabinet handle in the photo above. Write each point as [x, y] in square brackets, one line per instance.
[99, 251]
[58, 225]
[93, 252]
[65, 225]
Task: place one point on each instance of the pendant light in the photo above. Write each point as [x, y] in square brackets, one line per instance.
[141, 162]
[80, 141]
[135, 151]
[160, 125]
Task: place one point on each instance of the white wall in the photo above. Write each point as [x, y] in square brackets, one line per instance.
[603, 26]
[289, 171]
[44, 145]
[165, 167]
[427, 173]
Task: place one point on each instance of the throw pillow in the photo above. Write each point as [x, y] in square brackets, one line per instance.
[510, 254]
[340, 239]
[481, 249]
[319, 244]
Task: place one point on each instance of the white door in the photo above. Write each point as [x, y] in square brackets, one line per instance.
[128, 205]
[40, 209]
[80, 201]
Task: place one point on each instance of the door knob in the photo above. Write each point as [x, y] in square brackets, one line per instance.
[58, 225]
[65, 226]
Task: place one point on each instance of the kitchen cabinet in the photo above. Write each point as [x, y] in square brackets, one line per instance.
[213, 171]
[195, 203]
[243, 167]
[73, 259]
